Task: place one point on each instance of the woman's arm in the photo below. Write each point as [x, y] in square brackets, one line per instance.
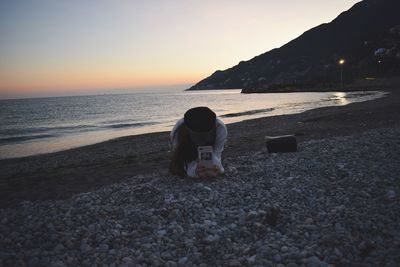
[191, 169]
[220, 140]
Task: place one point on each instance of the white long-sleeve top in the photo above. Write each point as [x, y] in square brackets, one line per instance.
[220, 138]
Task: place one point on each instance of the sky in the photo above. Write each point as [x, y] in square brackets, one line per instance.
[51, 46]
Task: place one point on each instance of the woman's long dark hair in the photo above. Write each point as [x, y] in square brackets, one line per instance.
[183, 153]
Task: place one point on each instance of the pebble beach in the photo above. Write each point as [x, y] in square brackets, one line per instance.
[335, 202]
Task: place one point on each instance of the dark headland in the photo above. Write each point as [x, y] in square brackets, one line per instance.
[366, 37]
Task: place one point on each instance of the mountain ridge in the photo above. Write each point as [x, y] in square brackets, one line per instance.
[310, 60]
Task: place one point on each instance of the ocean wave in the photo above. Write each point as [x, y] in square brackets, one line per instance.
[250, 112]
[129, 125]
[34, 130]
[16, 139]
[19, 135]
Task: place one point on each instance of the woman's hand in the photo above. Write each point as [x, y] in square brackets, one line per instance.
[201, 170]
[207, 172]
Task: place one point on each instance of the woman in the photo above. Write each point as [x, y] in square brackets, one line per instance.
[199, 127]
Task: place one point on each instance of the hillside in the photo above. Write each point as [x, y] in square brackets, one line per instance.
[367, 36]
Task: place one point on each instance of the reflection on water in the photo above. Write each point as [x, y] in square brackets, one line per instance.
[340, 98]
[67, 122]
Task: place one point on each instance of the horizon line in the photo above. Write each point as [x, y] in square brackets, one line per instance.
[92, 91]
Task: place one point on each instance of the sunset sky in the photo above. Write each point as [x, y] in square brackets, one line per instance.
[54, 45]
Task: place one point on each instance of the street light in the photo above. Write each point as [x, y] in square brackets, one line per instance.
[341, 63]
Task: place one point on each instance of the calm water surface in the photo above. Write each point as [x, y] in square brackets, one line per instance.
[42, 125]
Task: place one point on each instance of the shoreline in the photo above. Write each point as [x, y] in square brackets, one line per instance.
[228, 118]
[62, 174]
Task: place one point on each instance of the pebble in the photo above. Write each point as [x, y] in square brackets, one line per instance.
[309, 221]
[162, 232]
[391, 195]
[85, 248]
[234, 263]
[277, 258]
[338, 252]
[338, 227]
[127, 260]
[59, 247]
[182, 261]
[212, 238]
[310, 227]
[314, 261]
[33, 261]
[171, 264]
[391, 263]
[252, 259]
[103, 247]
[166, 255]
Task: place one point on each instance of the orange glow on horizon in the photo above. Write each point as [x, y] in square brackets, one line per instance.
[92, 81]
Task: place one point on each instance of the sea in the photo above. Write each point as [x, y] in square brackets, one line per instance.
[42, 125]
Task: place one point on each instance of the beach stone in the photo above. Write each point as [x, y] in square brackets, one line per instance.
[182, 261]
[161, 233]
[252, 259]
[166, 255]
[59, 247]
[338, 252]
[69, 244]
[103, 247]
[34, 261]
[14, 235]
[45, 261]
[314, 262]
[85, 248]
[252, 215]
[310, 227]
[338, 227]
[391, 195]
[263, 251]
[92, 227]
[70, 259]
[277, 258]
[391, 263]
[309, 221]
[172, 264]
[127, 260]
[57, 264]
[234, 263]
[211, 238]
[267, 263]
